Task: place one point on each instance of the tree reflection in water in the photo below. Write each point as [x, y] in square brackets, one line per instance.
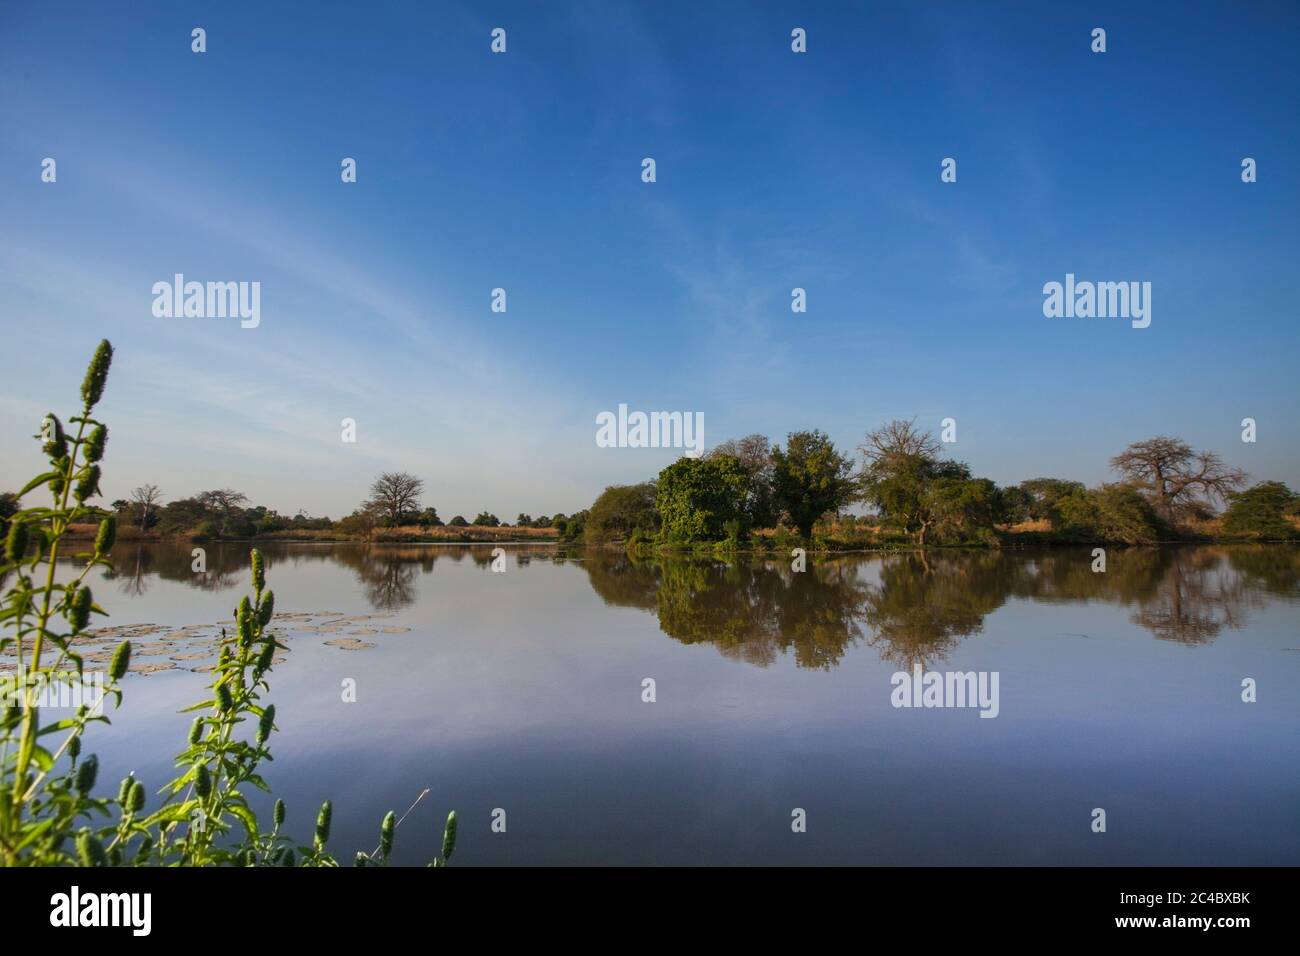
[912, 607]
[925, 604]
[921, 605]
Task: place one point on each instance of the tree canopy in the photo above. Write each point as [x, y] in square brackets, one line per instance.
[1263, 510]
[810, 478]
[911, 487]
[698, 498]
[622, 509]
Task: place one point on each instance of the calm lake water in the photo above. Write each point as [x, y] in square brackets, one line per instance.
[523, 691]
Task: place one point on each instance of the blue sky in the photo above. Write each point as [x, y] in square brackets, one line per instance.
[522, 171]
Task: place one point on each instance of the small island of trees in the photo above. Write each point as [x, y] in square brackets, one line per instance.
[752, 492]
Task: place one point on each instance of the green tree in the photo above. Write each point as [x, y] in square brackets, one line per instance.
[572, 527]
[963, 509]
[754, 452]
[810, 478]
[1013, 504]
[1262, 510]
[697, 497]
[267, 520]
[622, 509]
[361, 523]
[486, 519]
[1112, 513]
[1044, 493]
[458, 522]
[901, 464]
[181, 515]
[223, 506]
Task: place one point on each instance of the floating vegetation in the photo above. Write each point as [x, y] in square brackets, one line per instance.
[194, 647]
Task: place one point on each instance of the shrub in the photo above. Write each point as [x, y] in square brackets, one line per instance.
[572, 527]
[1262, 510]
[1041, 496]
[622, 510]
[1112, 513]
[696, 497]
[963, 509]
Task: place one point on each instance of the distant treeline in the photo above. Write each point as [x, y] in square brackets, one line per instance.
[394, 503]
[753, 491]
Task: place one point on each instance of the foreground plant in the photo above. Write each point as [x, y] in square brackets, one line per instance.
[49, 814]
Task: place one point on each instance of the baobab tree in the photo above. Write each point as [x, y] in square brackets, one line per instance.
[1174, 475]
[145, 498]
[395, 494]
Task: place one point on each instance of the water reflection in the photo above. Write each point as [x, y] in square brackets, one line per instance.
[920, 606]
[388, 576]
[1186, 595]
[132, 572]
[750, 612]
[924, 605]
[910, 607]
[916, 610]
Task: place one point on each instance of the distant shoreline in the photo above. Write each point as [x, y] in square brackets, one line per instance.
[471, 534]
[768, 541]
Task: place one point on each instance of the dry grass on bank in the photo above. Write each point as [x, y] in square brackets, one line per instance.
[406, 533]
[470, 533]
[124, 532]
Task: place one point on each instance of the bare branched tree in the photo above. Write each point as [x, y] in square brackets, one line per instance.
[893, 443]
[754, 452]
[1175, 475]
[395, 494]
[146, 497]
[901, 469]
